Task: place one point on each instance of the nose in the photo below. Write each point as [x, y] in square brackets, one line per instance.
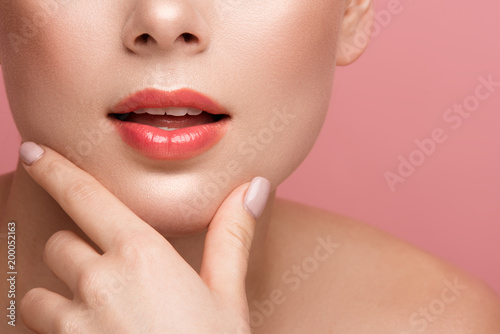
[159, 25]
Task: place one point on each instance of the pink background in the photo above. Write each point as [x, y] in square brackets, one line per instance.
[426, 59]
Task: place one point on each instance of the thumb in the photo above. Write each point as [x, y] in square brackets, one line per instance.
[229, 238]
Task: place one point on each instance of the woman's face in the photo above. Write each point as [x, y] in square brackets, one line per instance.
[270, 64]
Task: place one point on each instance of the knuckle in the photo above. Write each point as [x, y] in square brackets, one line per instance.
[137, 250]
[64, 324]
[35, 300]
[54, 166]
[91, 287]
[55, 244]
[80, 191]
[30, 299]
[238, 233]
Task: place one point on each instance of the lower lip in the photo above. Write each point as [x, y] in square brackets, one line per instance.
[178, 144]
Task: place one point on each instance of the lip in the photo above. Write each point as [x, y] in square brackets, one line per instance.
[180, 144]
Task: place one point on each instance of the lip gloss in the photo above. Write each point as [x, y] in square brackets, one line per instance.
[181, 143]
[178, 144]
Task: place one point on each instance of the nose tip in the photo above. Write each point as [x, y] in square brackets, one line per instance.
[155, 26]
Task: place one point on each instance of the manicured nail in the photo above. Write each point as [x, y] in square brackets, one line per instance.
[256, 196]
[30, 152]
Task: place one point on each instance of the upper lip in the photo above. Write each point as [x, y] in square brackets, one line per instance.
[157, 98]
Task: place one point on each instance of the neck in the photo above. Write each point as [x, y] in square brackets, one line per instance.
[37, 216]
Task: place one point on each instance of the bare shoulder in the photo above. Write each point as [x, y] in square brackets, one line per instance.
[357, 278]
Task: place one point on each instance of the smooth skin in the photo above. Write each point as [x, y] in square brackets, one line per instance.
[258, 59]
[146, 268]
[365, 281]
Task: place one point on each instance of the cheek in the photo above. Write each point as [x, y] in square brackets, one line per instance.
[287, 45]
[280, 64]
[53, 53]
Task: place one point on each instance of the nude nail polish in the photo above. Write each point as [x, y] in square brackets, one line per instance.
[30, 152]
[256, 196]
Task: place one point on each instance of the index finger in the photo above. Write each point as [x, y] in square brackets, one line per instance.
[100, 215]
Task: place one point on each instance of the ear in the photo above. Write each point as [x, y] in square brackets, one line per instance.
[355, 32]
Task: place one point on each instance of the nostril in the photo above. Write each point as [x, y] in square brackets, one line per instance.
[189, 38]
[143, 39]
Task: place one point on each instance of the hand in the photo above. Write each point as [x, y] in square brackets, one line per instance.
[140, 284]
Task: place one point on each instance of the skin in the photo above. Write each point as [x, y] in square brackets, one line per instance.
[274, 57]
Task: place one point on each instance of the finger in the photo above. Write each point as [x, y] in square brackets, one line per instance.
[44, 311]
[103, 218]
[229, 238]
[67, 255]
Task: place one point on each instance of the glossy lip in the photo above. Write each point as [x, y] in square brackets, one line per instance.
[155, 98]
[183, 143]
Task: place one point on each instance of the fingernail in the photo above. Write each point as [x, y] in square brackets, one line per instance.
[30, 152]
[256, 196]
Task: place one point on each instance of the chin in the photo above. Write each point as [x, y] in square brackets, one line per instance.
[174, 205]
[176, 219]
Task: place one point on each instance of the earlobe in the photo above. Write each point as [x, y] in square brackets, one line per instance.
[355, 31]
